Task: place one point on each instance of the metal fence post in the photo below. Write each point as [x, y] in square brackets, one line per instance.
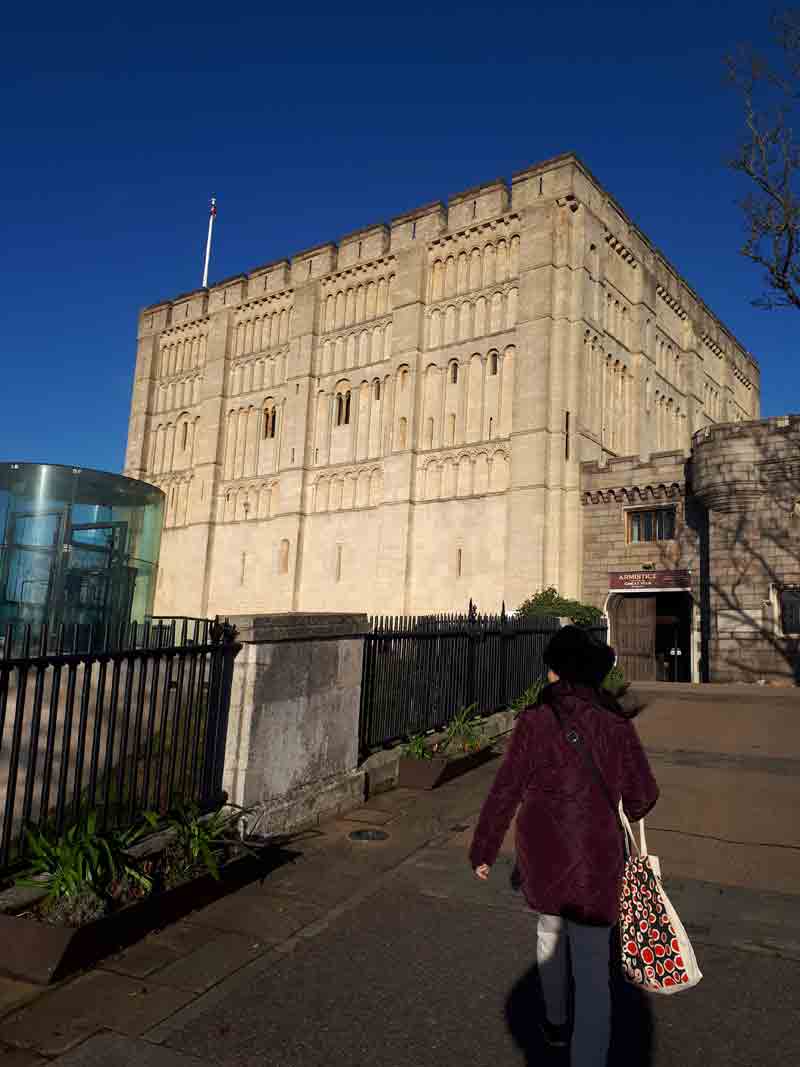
[223, 637]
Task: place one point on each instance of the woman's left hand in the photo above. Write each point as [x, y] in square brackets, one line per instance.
[482, 872]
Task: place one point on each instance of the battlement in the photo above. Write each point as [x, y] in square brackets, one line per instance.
[729, 432]
[563, 182]
[631, 478]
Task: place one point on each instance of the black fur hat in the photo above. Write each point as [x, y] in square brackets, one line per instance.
[576, 658]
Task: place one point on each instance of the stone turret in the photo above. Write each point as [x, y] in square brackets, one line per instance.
[747, 476]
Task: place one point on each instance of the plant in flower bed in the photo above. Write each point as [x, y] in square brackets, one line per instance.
[529, 698]
[87, 873]
[84, 872]
[464, 733]
[198, 843]
[461, 736]
[426, 763]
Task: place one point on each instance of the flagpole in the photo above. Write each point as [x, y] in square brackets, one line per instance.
[212, 215]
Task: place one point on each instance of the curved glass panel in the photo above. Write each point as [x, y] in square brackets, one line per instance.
[78, 547]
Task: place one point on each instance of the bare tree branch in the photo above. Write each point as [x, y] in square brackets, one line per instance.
[770, 159]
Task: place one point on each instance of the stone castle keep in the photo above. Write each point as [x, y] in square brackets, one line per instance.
[398, 422]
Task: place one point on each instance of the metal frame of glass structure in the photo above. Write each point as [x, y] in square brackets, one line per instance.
[77, 546]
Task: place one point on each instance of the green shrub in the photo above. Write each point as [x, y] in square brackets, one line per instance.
[550, 602]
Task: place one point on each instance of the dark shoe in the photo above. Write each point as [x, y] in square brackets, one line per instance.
[556, 1035]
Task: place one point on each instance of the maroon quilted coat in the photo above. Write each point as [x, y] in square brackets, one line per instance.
[569, 845]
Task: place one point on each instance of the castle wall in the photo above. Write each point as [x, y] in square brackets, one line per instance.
[397, 423]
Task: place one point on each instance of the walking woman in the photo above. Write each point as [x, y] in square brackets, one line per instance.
[570, 760]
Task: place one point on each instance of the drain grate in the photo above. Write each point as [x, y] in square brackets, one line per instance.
[368, 835]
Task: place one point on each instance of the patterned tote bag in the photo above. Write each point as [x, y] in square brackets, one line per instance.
[657, 954]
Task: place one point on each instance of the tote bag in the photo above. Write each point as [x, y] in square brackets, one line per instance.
[657, 954]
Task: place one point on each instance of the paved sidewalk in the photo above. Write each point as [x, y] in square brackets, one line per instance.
[391, 953]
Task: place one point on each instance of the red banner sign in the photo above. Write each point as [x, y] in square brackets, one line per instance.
[645, 580]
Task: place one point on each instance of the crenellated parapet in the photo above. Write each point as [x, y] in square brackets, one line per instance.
[736, 467]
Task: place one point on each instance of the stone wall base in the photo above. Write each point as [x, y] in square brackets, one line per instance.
[305, 807]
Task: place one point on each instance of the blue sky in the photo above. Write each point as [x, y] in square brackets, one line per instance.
[119, 126]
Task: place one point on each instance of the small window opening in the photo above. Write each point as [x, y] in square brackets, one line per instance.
[413, 231]
[491, 428]
[566, 435]
[790, 610]
[474, 208]
[185, 434]
[292, 460]
[453, 373]
[283, 557]
[309, 267]
[377, 390]
[339, 563]
[645, 526]
[493, 364]
[316, 455]
[360, 244]
[459, 562]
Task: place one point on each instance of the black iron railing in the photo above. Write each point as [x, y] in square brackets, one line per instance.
[113, 722]
[419, 672]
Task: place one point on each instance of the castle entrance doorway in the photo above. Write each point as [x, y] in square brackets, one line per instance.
[652, 635]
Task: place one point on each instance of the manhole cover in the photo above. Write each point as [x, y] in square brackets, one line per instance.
[368, 835]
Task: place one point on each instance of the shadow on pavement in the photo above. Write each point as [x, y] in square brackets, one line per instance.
[631, 1023]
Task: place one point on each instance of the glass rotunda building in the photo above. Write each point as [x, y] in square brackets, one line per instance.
[77, 547]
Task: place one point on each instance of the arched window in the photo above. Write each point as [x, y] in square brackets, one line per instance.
[377, 389]
[343, 408]
[185, 437]
[453, 373]
[493, 364]
[270, 420]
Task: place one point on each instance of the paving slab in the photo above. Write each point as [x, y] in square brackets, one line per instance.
[14, 993]
[261, 915]
[111, 1050]
[157, 950]
[372, 816]
[213, 961]
[20, 1057]
[66, 1016]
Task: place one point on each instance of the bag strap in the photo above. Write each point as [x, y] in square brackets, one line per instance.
[576, 741]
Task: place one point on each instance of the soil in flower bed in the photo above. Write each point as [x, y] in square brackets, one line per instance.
[37, 949]
[431, 773]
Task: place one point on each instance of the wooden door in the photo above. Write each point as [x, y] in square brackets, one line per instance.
[635, 637]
